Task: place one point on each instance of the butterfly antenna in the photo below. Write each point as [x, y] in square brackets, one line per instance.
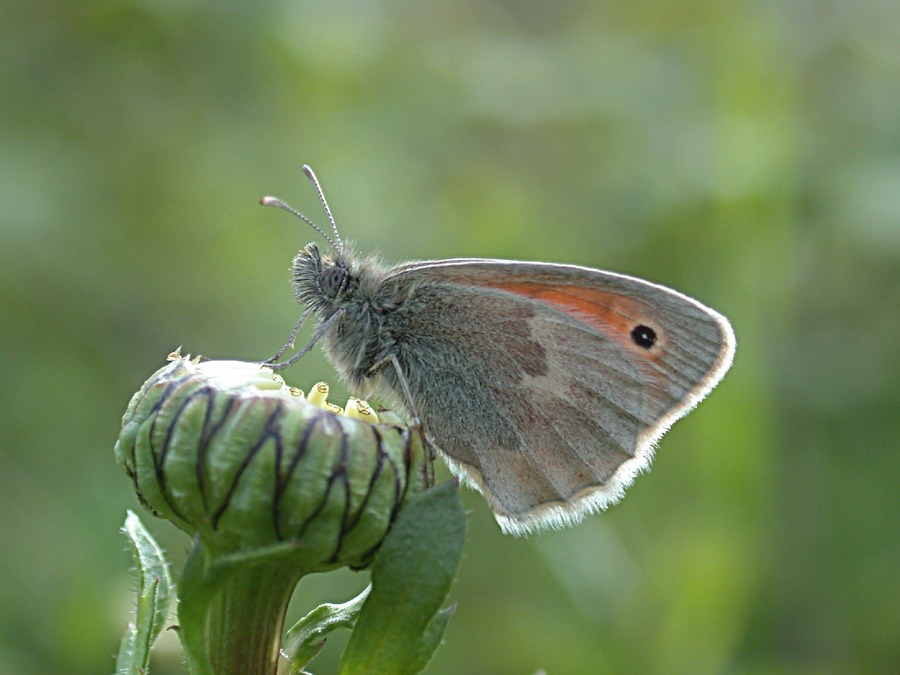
[279, 204]
[315, 181]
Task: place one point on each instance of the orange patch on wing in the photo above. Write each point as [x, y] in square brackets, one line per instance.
[612, 314]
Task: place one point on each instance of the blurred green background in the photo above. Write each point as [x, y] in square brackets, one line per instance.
[746, 153]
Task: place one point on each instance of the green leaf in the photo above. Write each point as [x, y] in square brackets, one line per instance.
[400, 626]
[153, 599]
[432, 637]
[305, 638]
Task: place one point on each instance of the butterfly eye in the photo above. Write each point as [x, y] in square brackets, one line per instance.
[332, 280]
[643, 336]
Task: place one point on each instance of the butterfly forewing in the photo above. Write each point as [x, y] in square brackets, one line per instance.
[547, 385]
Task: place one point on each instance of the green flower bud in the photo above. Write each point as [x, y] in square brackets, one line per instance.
[227, 451]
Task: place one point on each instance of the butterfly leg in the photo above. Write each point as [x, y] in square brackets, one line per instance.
[290, 343]
[404, 385]
[316, 336]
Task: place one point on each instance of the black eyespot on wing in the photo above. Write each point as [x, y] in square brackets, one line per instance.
[643, 336]
[332, 280]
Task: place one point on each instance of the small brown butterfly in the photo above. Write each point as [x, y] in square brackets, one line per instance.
[544, 386]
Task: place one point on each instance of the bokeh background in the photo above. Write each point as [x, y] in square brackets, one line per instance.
[744, 152]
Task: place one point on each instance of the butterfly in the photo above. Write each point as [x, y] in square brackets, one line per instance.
[544, 386]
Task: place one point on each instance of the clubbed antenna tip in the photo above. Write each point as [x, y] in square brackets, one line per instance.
[284, 206]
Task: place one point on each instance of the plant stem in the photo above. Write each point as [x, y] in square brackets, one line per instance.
[246, 620]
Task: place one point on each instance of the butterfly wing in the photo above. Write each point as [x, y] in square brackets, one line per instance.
[547, 386]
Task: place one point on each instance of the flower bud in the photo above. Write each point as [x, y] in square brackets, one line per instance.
[226, 450]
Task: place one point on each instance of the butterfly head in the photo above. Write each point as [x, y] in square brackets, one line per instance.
[320, 281]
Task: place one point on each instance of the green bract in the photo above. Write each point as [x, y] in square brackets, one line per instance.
[226, 451]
